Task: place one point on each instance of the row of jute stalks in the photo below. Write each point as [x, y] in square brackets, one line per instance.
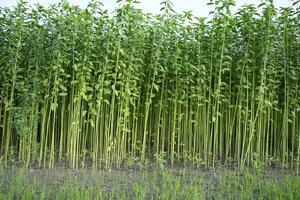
[91, 88]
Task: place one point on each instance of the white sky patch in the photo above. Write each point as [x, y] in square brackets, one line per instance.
[198, 7]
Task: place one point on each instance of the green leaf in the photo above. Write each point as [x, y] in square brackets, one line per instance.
[63, 94]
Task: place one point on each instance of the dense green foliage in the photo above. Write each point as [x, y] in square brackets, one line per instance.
[80, 85]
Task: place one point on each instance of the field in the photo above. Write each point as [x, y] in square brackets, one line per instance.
[132, 105]
[171, 183]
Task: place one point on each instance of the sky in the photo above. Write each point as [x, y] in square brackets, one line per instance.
[198, 7]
